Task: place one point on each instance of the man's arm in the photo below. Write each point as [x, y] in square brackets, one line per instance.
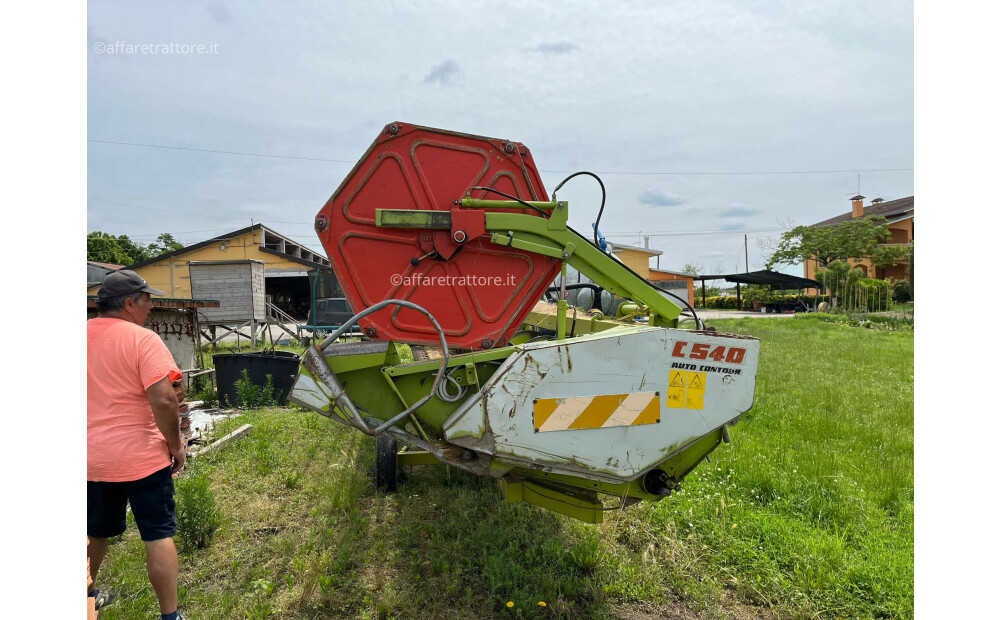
[163, 400]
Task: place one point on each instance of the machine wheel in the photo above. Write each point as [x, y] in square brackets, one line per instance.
[386, 468]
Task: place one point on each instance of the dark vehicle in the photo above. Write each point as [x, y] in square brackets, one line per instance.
[330, 312]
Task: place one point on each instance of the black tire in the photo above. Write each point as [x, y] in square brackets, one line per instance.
[386, 467]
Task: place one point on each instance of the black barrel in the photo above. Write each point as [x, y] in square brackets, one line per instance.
[283, 366]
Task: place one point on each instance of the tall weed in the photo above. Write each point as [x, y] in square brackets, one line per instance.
[249, 395]
[198, 518]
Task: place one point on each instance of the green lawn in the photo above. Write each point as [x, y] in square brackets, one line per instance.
[807, 513]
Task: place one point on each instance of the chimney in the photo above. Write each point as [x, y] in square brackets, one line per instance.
[877, 201]
[645, 239]
[857, 206]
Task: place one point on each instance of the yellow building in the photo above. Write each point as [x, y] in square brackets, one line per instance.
[286, 264]
[637, 259]
[899, 216]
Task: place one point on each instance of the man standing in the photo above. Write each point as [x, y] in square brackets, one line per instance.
[133, 438]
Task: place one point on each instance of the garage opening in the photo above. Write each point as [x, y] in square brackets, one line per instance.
[289, 292]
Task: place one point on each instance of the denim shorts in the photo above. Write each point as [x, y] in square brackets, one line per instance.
[151, 499]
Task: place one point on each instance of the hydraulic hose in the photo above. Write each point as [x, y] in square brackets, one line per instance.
[355, 414]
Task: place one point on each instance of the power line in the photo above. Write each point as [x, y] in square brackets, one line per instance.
[186, 148]
[145, 238]
[758, 172]
[683, 233]
[177, 232]
[172, 212]
[608, 172]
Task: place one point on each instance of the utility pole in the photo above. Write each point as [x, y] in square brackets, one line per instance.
[746, 253]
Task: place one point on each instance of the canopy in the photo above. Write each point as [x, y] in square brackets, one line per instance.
[769, 278]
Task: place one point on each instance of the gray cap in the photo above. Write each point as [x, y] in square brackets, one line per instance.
[125, 282]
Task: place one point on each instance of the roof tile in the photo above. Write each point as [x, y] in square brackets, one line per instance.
[892, 207]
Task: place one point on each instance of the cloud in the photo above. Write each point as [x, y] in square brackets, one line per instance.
[561, 47]
[734, 226]
[739, 211]
[657, 198]
[443, 73]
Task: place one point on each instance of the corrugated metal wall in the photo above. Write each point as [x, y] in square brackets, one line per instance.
[239, 287]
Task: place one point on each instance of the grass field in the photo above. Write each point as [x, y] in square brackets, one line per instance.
[807, 513]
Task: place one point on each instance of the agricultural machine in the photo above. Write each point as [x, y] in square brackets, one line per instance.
[449, 242]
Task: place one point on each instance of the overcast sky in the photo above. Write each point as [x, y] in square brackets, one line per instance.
[629, 90]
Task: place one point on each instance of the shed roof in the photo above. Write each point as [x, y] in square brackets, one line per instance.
[673, 273]
[621, 246]
[766, 277]
[108, 266]
[168, 302]
[324, 263]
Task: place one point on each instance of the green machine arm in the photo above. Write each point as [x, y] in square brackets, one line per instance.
[550, 237]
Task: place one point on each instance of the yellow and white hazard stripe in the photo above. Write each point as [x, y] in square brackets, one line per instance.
[581, 412]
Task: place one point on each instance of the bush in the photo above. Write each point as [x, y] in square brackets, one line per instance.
[203, 390]
[867, 321]
[852, 291]
[252, 396]
[197, 516]
[729, 303]
[901, 292]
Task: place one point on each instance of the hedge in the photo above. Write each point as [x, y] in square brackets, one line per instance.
[729, 303]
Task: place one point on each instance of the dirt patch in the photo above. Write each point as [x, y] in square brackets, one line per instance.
[675, 609]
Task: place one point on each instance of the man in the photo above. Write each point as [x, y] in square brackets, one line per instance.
[134, 443]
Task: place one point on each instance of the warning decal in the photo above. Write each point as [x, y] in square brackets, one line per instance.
[686, 390]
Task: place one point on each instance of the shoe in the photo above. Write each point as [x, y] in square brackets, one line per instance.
[103, 598]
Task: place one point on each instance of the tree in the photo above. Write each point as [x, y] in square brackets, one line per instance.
[691, 269]
[135, 250]
[165, 243]
[120, 250]
[104, 248]
[854, 239]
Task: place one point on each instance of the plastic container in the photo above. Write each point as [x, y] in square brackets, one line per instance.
[283, 366]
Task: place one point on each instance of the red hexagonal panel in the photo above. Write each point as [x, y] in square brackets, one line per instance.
[479, 292]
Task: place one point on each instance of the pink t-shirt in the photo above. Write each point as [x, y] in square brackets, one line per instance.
[123, 441]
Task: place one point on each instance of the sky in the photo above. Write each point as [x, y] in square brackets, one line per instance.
[608, 87]
[707, 121]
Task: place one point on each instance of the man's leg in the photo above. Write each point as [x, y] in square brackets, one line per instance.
[96, 550]
[161, 564]
[105, 518]
[152, 501]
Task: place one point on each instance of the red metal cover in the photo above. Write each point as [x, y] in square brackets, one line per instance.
[478, 291]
